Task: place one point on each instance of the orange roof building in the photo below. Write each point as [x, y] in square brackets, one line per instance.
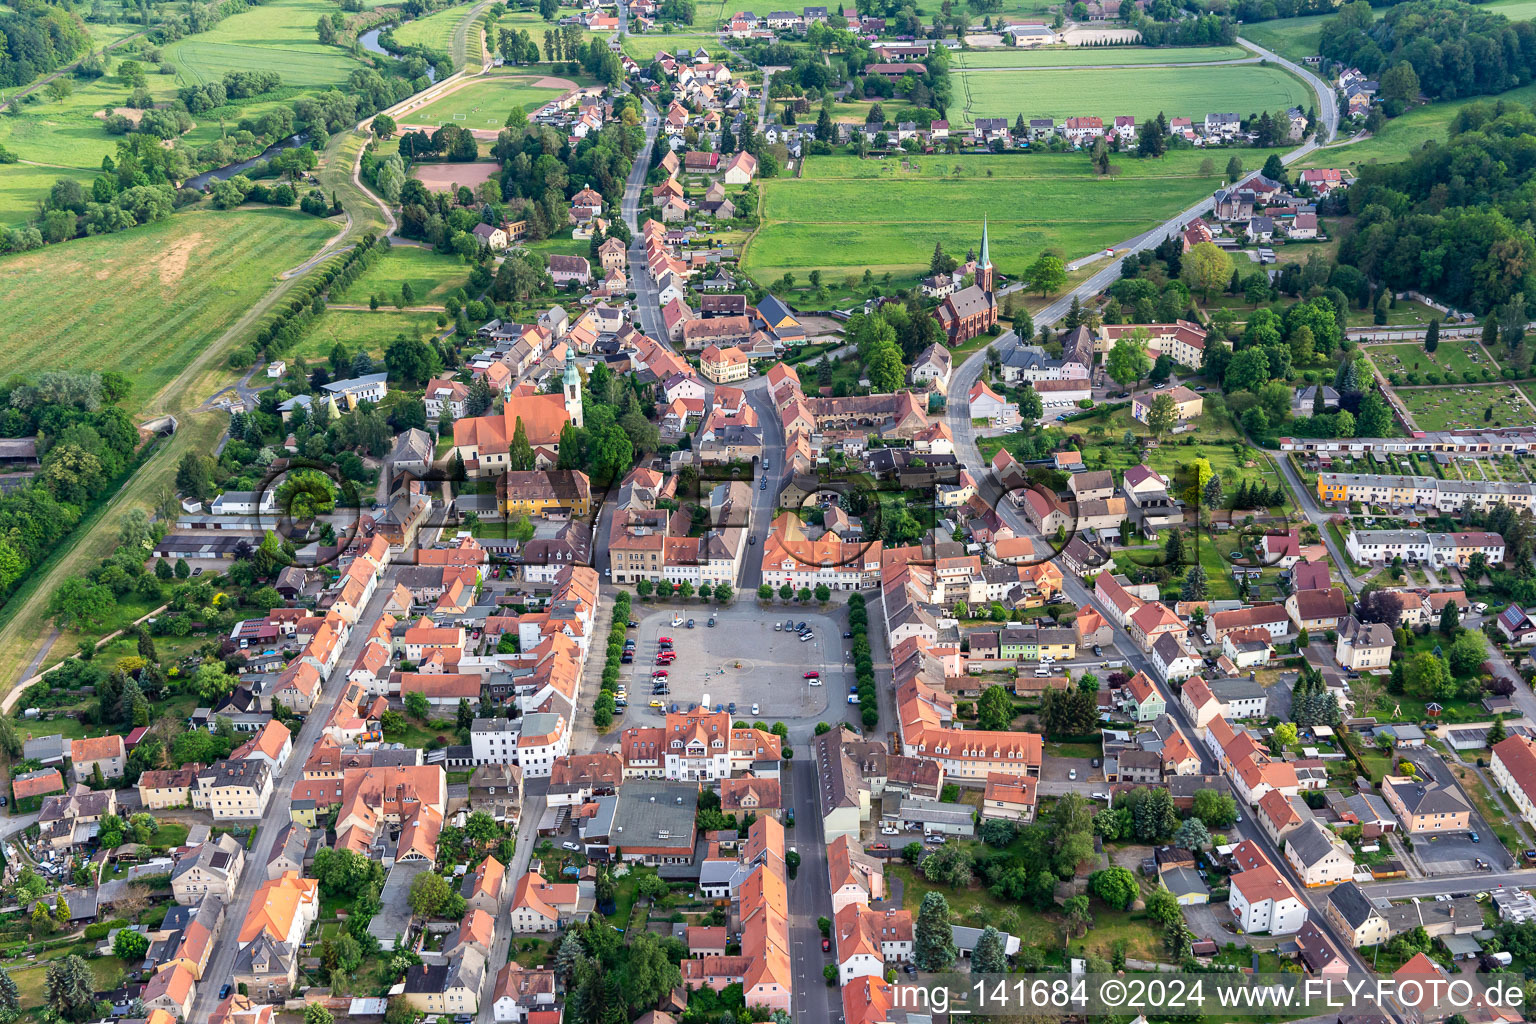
[282, 909]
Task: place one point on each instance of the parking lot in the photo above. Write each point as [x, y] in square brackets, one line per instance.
[741, 660]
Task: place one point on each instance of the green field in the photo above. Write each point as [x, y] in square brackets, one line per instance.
[832, 219]
[1141, 92]
[1449, 408]
[361, 330]
[22, 186]
[1076, 55]
[431, 276]
[145, 301]
[1292, 38]
[485, 104]
[1402, 136]
[435, 31]
[1514, 10]
[644, 47]
[279, 36]
[1449, 357]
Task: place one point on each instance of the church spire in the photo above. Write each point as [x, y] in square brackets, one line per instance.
[984, 272]
[986, 254]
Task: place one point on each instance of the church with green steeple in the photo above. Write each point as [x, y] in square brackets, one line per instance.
[972, 310]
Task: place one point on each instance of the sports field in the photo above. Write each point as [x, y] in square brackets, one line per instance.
[147, 300]
[431, 276]
[279, 36]
[485, 104]
[1141, 92]
[644, 47]
[1079, 55]
[1402, 136]
[1292, 38]
[833, 219]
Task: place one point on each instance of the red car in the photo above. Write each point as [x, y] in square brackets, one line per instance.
[663, 639]
[813, 675]
[826, 945]
[660, 673]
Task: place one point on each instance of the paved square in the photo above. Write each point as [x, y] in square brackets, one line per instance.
[742, 659]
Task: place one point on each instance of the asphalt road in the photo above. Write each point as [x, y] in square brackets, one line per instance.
[814, 1001]
[221, 963]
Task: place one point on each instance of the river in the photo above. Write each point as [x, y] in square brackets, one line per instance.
[224, 173]
[370, 42]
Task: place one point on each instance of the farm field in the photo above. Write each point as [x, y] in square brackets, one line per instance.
[67, 133]
[144, 302]
[832, 220]
[1448, 408]
[431, 276]
[1292, 38]
[1515, 10]
[1402, 136]
[357, 331]
[279, 36]
[435, 31]
[645, 46]
[485, 104]
[1141, 92]
[1449, 357]
[1077, 55]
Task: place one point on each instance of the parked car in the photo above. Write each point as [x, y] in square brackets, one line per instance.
[690, 623]
[826, 945]
[1474, 837]
[657, 704]
[813, 675]
[731, 707]
[1072, 773]
[660, 673]
[665, 640]
[853, 698]
[778, 627]
[754, 709]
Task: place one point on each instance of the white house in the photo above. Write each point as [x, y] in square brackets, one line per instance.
[1261, 901]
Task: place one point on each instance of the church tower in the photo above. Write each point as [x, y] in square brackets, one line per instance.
[572, 391]
[984, 265]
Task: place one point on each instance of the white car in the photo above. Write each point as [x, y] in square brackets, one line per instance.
[1072, 774]
[814, 682]
[754, 709]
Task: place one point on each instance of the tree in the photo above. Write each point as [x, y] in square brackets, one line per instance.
[129, 946]
[994, 710]
[383, 125]
[315, 1013]
[934, 942]
[10, 996]
[765, 592]
[1374, 419]
[1432, 336]
[1400, 83]
[990, 955]
[1425, 676]
[1450, 619]
[1048, 273]
[1466, 653]
[79, 603]
[1217, 810]
[1248, 370]
[1163, 906]
[1196, 584]
[429, 893]
[1497, 732]
[70, 988]
[1128, 362]
[1116, 886]
[1205, 269]
[1234, 169]
[1161, 415]
[1192, 834]
[416, 705]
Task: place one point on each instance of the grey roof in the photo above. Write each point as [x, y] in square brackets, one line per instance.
[1312, 842]
[45, 748]
[1236, 688]
[337, 387]
[1182, 881]
[1428, 797]
[935, 813]
[1352, 904]
[1168, 648]
[218, 856]
[653, 813]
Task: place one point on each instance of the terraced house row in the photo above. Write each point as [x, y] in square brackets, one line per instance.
[1423, 491]
[1507, 441]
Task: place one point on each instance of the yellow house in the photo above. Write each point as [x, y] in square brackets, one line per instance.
[1332, 488]
[1058, 643]
[724, 365]
[539, 492]
[304, 812]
